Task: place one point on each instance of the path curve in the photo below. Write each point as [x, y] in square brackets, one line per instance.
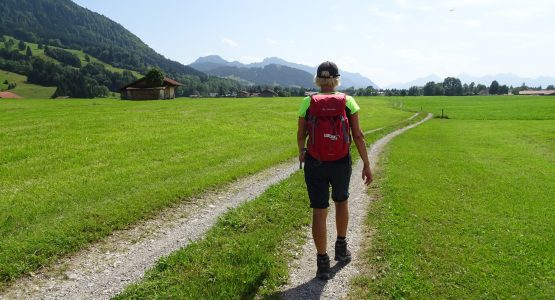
[302, 282]
[107, 267]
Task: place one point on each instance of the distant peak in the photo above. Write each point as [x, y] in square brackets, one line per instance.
[211, 58]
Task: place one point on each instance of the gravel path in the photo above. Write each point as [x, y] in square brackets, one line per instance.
[106, 268]
[302, 282]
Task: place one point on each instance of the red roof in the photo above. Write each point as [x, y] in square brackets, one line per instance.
[9, 95]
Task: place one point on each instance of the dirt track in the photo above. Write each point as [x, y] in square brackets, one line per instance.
[302, 283]
[104, 269]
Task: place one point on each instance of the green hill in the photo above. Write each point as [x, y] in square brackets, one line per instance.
[65, 24]
[24, 89]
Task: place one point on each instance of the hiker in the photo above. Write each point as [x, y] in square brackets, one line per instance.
[327, 118]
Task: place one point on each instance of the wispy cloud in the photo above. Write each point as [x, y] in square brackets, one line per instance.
[387, 15]
[339, 28]
[229, 42]
[271, 41]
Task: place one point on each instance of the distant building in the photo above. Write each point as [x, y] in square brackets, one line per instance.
[139, 90]
[268, 93]
[243, 94]
[9, 95]
[538, 93]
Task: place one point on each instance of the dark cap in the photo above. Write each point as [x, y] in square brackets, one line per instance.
[327, 70]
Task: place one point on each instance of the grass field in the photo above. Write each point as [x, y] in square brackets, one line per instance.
[24, 89]
[466, 208]
[71, 171]
[246, 254]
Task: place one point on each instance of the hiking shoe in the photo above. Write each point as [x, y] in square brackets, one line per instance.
[323, 264]
[341, 251]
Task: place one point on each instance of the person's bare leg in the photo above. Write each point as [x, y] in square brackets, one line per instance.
[341, 217]
[319, 229]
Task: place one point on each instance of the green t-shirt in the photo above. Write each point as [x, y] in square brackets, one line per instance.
[352, 106]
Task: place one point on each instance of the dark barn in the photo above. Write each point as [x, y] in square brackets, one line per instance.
[139, 90]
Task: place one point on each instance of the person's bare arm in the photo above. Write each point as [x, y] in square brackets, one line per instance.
[358, 137]
[301, 138]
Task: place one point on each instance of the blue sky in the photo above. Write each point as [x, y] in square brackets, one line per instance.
[387, 41]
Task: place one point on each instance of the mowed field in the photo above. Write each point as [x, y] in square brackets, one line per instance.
[466, 208]
[72, 171]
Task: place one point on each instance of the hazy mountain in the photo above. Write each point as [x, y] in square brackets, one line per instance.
[268, 75]
[212, 62]
[506, 78]
[209, 63]
[417, 82]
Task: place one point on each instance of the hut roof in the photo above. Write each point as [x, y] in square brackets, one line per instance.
[141, 84]
[9, 95]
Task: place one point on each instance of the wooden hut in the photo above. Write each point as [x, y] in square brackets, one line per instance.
[243, 94]
[140, 90]
[268, 93]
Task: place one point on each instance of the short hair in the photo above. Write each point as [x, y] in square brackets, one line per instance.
[327, 82]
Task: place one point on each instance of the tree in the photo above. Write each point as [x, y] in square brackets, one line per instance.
[472, 88]
[480, 88]
[429, 88]
[29, 53]
[550, 87]
[503, 90]
[438, 89]
[154, 77]
[452, 86]
[494, 88]
[414, 91]
[87, 58]
[21, 45]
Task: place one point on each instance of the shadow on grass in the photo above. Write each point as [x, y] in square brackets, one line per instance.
[311, 289]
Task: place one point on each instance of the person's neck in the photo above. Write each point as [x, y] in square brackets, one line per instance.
[327, 90]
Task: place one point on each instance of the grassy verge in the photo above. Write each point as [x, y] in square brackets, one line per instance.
[72, 171]
[466, 209]
[243, 254]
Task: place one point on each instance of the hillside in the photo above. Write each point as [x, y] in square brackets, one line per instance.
[66, 24]
[24, 89]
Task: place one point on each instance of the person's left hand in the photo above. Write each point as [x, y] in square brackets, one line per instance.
[367, 175]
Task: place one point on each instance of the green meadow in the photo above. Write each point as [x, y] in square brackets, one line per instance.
[24, 89]
[72, 171]
[466, 206]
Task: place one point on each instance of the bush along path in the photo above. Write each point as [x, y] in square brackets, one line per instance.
[302, 283]
[104, 269]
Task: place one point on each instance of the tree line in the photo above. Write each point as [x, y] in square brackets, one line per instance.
[450, 86]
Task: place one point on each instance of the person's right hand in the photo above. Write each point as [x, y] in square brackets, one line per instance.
[302, 155]
[367, 175]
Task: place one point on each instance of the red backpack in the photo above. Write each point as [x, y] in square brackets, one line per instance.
[328, 127]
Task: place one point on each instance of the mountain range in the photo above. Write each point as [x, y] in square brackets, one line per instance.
[273, 70]
[502, 78]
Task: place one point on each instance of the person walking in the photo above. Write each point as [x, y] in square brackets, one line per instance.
[327, 119]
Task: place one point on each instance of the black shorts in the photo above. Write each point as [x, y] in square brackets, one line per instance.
[319, 176]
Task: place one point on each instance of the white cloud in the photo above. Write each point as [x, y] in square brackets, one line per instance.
[229, 42]
[271, 41]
